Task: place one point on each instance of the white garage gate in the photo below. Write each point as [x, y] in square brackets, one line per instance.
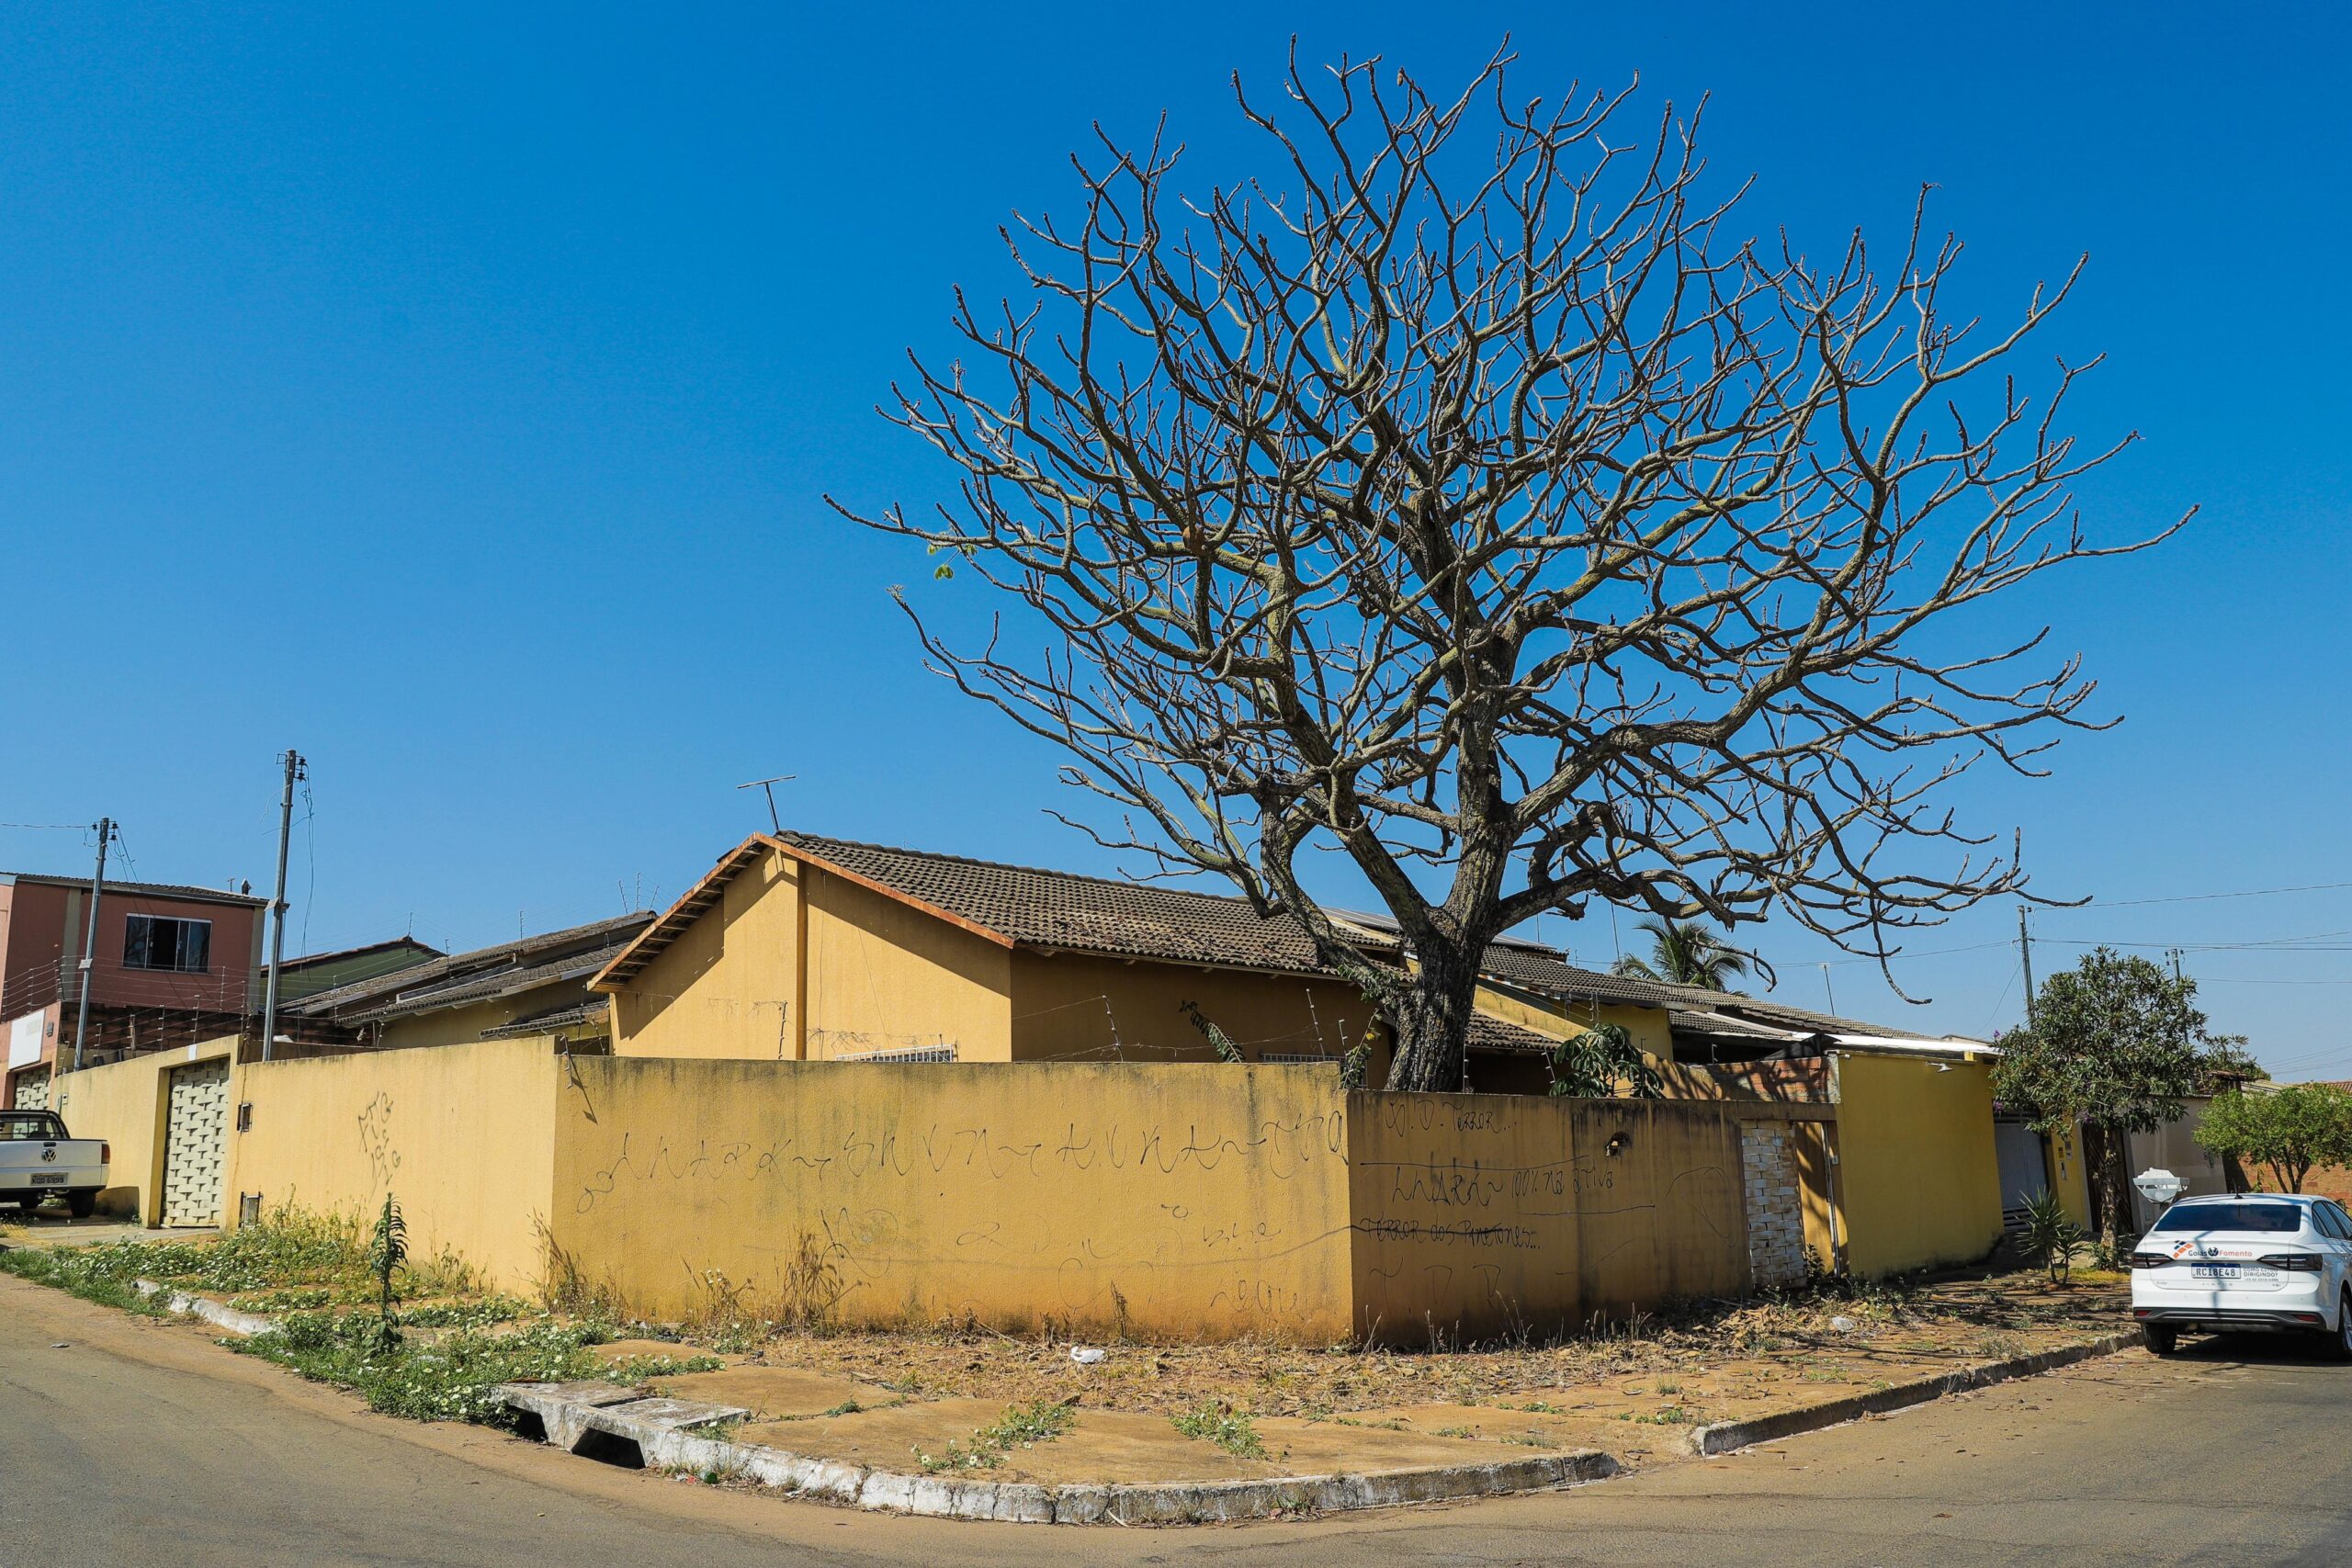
[196, 1138]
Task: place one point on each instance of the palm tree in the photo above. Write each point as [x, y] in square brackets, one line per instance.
[1687, 953]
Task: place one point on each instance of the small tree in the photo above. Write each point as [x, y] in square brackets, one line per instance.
[2116, 1045]
[2286, 1130]
[2052, 1237]
[1595, 1064]
[388, 1259]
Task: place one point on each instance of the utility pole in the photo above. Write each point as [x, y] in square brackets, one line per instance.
[769, 785]
[2176, 966]
[294, 766]
[104, 830]
[2025, 956]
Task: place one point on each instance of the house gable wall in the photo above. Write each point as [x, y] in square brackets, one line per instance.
[878, 977]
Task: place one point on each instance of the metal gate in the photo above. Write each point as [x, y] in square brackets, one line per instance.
[32, 1090]
[195, 1143]
[2022, 1156]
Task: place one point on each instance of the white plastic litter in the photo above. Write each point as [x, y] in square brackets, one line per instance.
[1085, 1355]
[1842, 1324]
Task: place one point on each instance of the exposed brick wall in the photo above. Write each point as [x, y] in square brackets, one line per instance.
[1775, 1206]
[2323, 1182]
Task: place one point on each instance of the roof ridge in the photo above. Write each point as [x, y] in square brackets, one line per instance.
[790, 835]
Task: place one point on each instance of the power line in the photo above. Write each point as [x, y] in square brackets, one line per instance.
[2194, 898]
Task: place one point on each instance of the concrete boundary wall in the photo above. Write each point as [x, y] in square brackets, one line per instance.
[1166, 1200]
[463, 1134]
[125, 1103]
[1477, 1214]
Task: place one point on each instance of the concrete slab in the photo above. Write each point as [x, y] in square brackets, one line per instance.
[590, 1392]
[679, 1414]
[776, 1394]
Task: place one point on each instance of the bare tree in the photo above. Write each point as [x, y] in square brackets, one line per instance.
[1464, 495]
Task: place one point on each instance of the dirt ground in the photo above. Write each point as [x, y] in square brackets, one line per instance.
[1701, 1363]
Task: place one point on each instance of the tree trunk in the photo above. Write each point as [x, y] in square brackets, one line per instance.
[2103, 1162]
[1433, 1026]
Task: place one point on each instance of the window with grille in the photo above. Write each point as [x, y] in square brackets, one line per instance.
[155, 942]
[1296, 1058]
[915, 1054]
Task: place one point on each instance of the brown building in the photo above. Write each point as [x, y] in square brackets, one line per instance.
[171, 966]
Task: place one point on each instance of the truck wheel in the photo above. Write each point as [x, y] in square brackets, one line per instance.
[2163, 1339]
[82, 1204]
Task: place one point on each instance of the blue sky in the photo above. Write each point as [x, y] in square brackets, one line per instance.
[448, 394]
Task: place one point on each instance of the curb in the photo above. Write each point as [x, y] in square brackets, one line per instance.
[664, 1438]
[205, 1307]
[1723, 1437]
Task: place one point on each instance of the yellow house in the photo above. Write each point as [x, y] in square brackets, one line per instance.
[1897, 1155]
[797, 948]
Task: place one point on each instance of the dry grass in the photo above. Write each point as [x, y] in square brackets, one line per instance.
[1890, 1330]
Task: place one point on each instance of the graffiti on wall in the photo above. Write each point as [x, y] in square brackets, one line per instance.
[375, 1139]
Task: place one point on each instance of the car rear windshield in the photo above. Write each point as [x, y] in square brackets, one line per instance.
[2280, 1219]
[28, 1124]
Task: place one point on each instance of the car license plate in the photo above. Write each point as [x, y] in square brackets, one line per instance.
[49, 1178]
[2225, 1272]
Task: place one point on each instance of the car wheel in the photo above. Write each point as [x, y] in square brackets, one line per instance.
[2339, 1344]
[81, 1205]
[2163, 1339]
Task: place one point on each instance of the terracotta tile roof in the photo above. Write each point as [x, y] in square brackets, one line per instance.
[1490, 1033]
[310, 959]
[1552, 976]
[562, 1016]
[484, 971]
[1547, 974]
[1061, 910]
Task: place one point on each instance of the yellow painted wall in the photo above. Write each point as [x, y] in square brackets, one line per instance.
[463, 1025]
[1178, 1201]
[881, 976]
[1562, 1020]
[1824, 1222]
[727, 985]
[2069, 1177]
[125, 1103]
[464, 1135]
[1481, 1214]
[1916, 1171]
[1076, 1006]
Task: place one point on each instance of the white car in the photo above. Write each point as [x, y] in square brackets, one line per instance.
[37, 1160]
[2265, 1262]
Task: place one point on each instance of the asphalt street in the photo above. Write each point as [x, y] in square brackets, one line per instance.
[130, 1444]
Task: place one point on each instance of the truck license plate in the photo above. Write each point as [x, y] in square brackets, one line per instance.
[49, 1178]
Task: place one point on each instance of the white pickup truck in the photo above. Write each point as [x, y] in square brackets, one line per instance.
[38, 1161]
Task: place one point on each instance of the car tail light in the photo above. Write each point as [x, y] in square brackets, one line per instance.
[2149, 1259]
[106, 1154]
[2295, 1262]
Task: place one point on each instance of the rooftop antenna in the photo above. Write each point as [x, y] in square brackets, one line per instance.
[769, 786]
